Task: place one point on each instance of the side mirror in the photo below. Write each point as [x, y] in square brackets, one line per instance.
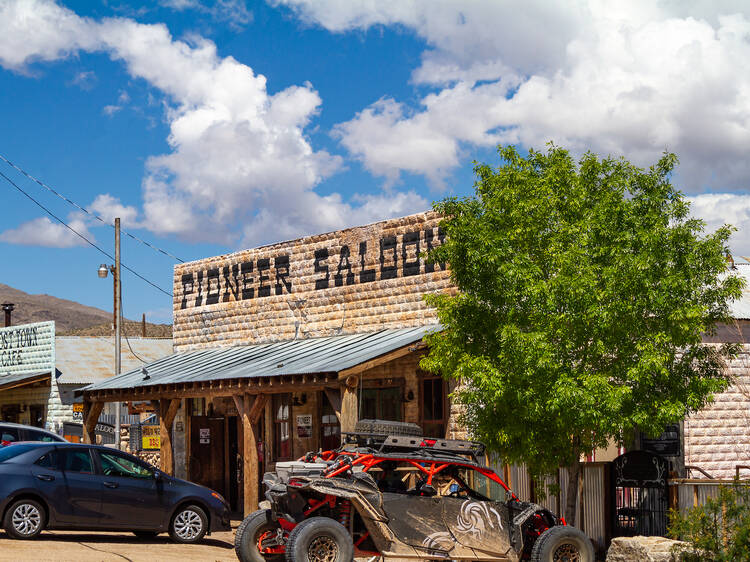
[157, 475]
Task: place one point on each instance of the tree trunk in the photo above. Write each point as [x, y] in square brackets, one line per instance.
[574, 473]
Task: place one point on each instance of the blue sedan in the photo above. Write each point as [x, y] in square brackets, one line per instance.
[90, 487]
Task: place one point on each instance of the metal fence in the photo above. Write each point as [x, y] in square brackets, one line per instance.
[591, 500]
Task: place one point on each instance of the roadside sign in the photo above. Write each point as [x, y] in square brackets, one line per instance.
[150, 437]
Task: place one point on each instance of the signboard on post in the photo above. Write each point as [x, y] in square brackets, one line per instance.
[150, 437]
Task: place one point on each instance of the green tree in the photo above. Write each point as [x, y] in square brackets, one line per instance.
[584, 289]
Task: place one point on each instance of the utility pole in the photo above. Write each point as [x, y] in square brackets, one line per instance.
[118, 326]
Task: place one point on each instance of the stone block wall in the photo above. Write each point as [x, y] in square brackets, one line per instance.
[718, 437]
[349, 281]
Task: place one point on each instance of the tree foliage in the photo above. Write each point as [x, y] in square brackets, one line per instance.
[584, 289]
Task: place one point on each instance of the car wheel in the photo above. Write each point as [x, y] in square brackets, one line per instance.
[562, 544]
[256, 527]
[188, 525]
[146, 534]
[319, 539]
[24, 519]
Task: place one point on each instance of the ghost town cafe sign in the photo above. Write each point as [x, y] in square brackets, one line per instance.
[347, 265]
[14, 342]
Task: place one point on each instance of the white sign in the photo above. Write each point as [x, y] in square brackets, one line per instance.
[304, 425]
[28, 348]
[204, 435]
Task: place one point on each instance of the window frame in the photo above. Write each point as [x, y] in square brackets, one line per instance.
[100, 466]
[277, 423]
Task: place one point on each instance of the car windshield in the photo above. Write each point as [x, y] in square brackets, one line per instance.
[11, 451]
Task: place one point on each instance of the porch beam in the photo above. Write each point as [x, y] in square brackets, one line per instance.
[334, 399]
[250, 450]
[349, 407]
[377, 361]
[91, 412]
[167, 412]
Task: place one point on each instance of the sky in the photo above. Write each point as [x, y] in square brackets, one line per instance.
[210, 127]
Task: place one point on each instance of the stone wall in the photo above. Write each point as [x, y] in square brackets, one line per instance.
[349, 281]
[718, 437]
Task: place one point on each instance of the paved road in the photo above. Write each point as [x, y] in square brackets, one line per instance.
[95, 547]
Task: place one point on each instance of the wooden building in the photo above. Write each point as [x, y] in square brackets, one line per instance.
[279, 349]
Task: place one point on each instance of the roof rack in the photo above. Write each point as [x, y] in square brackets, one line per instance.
[397, 443]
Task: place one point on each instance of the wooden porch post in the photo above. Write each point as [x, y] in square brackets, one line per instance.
[167, 412]
[250, 412]
[349, 407]
[91, 411]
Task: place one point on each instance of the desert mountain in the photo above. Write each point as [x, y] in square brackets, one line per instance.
[71, 318]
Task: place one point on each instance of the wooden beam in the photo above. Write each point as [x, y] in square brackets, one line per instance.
[91, 412]
[334, 399]
[167, 412]
[250, 460]
[349, 408]
[239, 403]
[174, 391]
[385, 358]
[258, 406]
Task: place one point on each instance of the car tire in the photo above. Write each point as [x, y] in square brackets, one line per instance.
[556, 542]
[386, 428]
[319, 539]
[189, 524]
[146, 534]
[248, 533]
[24, 519]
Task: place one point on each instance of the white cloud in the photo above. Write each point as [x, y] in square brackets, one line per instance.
[232, 12]
[631, 78]
[109, 208]
[85, 79]
[43, 232]
[718, 209]
[239, 161]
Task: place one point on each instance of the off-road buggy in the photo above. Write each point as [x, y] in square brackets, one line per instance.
[390, 493]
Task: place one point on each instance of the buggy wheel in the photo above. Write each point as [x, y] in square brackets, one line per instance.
[562, 544]
[319, 539]
[256, 528]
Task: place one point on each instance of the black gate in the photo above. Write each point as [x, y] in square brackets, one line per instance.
[639, 495]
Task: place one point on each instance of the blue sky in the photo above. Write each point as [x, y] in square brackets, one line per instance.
[214, 126]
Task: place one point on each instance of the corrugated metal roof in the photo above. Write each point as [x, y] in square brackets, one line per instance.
[294, 357]
[12, 379]
[87, 359]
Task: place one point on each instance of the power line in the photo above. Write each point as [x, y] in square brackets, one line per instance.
[81, 236]
[77, 206]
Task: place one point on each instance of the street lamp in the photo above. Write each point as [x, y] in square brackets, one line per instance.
[102, 273]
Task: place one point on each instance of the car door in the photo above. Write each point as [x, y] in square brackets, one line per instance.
[417, 521]
[49, 481]
[478, 522]
[132, 498]
[82, 490]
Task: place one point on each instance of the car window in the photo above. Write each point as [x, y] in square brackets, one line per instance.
[41, 436]
[117, 465]
[48, 460]
[78, 460]
[481, 484]
[7, 453]
[9, 435]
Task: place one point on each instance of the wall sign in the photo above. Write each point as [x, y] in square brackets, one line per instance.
[28, 348]
[204, 435]
[304, 425]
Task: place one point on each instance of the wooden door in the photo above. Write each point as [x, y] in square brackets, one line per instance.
[207, 452]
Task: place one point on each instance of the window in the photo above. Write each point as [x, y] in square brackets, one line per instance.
[36, 415]
[117, 465]
[10, 452]
[381, 404]
[9, 435]
[48, 460]
[330, 428]
[434, 408]
[41, 436]
[282, 426]
[78, 460]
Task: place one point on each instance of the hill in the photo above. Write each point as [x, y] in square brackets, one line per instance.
[71, 318]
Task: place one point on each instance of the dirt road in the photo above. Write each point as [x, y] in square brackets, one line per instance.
[95, 547]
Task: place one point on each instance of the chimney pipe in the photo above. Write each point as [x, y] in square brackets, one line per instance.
[8, 308]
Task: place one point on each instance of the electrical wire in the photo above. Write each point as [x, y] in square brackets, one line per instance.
[81, 236]
[79, 207]
[125, 332]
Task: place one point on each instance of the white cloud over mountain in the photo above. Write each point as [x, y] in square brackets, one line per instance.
[238, 155]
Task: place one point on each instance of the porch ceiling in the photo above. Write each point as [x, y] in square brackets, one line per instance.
[280, 361]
